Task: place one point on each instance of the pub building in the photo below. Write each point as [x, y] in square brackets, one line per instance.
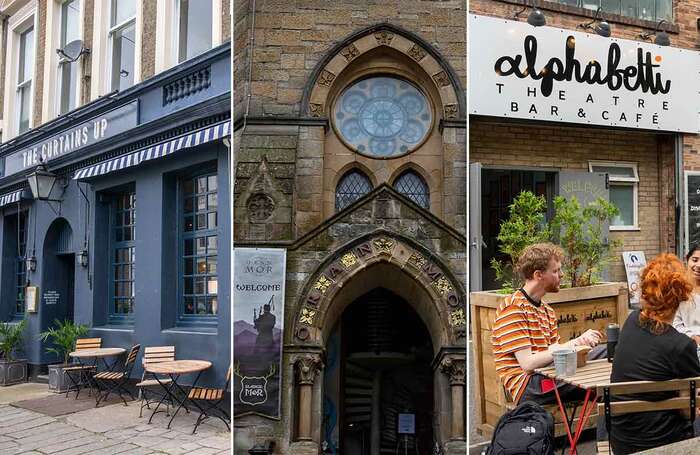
[116, 215]
[587, 99]
[349, 228]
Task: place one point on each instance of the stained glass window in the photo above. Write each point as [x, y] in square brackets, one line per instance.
[350, 188]
[413, 187]
[383, 117]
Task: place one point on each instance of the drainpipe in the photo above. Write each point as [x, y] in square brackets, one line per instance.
[679, 200]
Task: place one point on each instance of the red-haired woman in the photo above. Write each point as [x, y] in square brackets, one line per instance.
[650, 349]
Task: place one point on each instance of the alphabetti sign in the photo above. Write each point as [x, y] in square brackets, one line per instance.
[551, 74]
[74, 139]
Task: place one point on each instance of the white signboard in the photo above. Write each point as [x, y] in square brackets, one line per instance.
[407, 424]
[546, 73]
[634, 261]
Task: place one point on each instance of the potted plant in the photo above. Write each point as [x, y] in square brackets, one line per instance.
[12, 370]
[63, 336]
[584, 300]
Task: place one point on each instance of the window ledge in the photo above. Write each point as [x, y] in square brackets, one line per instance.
[192, 330]
[625, 228]
[611, 18]
[114, 328]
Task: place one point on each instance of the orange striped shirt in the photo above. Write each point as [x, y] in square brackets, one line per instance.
[520, 325]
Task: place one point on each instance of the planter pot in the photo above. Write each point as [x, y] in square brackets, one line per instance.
[13, 372]
[58, 379]
[577, 309]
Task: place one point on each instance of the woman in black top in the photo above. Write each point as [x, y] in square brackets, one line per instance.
[650, 349]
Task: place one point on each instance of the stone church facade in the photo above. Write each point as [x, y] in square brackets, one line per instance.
[350, 153]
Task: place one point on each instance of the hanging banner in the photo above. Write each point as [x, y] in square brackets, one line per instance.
[552, 74]
[258, 308]
[635, 261]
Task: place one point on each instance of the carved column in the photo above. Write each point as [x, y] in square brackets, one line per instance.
[454, 368]
[307, 367]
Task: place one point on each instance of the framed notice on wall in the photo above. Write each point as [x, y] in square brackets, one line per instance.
[692, 208]
[31, 299]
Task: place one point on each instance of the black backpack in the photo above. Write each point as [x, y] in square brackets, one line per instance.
[526, 430]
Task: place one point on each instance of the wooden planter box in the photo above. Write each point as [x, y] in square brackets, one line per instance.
[575, 308]
[13, 372]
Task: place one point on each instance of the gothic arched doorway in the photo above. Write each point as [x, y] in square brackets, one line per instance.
[378, 368]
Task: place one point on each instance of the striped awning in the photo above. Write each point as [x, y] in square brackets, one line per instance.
[189, 140]
[12, 197]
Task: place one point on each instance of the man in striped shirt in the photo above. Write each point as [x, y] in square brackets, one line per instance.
[525, 331]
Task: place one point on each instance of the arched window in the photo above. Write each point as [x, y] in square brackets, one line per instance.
[412, 185]
[351, 187]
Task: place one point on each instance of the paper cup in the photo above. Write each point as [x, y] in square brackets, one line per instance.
[565, 362]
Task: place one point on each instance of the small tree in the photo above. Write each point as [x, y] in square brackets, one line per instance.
[11, 336]
[525, 225]
[63, 337]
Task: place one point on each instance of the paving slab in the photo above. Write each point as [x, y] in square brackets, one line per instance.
[24, 391]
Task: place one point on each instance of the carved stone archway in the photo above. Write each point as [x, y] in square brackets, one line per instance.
[431, 288]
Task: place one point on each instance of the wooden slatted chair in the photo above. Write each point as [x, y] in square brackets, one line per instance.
[116, 381]
[608, 408]
[209, 402]
[78, 374]
[149, 384]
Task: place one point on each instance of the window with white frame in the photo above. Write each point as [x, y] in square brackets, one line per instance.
[68, 71]
[25, 76]
[122, 43]
[194, 28]
[624, 183]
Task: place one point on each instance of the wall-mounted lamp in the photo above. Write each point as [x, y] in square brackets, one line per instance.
[31, 263]
[41, 182]
[602, 28]
[661, 37]
[535, 18]
[83, 257]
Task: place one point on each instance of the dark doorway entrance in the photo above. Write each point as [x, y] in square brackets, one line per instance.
[381, 369]
[498, 189]
[58, 275]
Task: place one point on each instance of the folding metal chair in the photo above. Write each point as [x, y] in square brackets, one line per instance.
[209, 402]
[152, 355]
[78, 374]
[113, 381]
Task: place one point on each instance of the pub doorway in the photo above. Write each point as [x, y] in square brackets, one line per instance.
[378, 374]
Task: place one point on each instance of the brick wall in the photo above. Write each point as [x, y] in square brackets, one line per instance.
[148, 39]
[498, 143]
[88, 25]
[38, 82]
[226, 20]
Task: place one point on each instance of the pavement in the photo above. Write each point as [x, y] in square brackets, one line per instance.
[111, 429]
[477, 443]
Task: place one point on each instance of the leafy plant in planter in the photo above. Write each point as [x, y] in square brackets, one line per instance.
[578, 230]
[63, 335]
[12, 370]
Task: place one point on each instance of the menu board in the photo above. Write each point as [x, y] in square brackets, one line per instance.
[692, 208]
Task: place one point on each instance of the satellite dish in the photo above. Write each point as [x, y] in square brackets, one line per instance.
[72, 51]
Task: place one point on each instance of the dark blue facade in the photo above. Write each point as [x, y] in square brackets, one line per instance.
[187, 98]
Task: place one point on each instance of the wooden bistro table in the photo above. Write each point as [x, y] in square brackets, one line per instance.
[96, 355]
[174, 369]
[588, 377]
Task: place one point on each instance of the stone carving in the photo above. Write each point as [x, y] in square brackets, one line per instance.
[303, 333]
[308, 366]
[383, 244]
[441, 79]
[350, 52]
[442, 286]
[417, 261]
[307, 316]
[348, 260]
[458, 318]
[454, 368]
[450, 111]
[260, 207]
[383, 37]
[417, 53]
[316, 109]
[326, 78]
[322, 284]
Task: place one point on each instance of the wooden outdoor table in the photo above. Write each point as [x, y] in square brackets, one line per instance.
[589, 377]
[97, 353]
[173, 390]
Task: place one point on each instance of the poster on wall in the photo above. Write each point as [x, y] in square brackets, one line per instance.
[692, 208]
[560, 75]
[258, 299]
[634, 261]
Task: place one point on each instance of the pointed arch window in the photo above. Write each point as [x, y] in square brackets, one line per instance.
[412, 185]
[351, 187]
